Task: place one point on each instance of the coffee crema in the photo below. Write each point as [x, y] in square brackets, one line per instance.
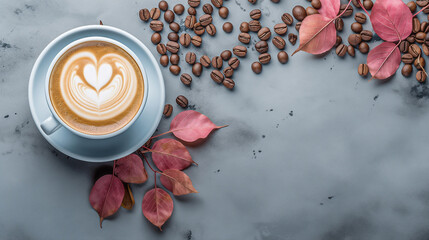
[96, 87]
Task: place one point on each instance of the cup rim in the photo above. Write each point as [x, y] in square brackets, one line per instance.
[109, 40]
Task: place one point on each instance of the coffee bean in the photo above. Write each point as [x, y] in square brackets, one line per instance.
[280, 28]
[173, 47]
[156, 25]
[185, 39]
[161, 49]
[191, 58]
[228, 82]
[174, 69]
[283, 57]
[223, 12]
[264, 33]
[279, 42]
[292, 38]
[366, 35]
[226, 55]
[299, 12]
[265, 58]
[255, 14]
[197, 69]
[425, 49]
[412, 6]
[194, 3]
[403, 46]
[422, 3]
[363, 70]
[339, 24]
[424, 27]
[275, 1]
[316, 4]
[411, 39]
[341, 50]
[348, 12]
[192, 11]
[196, 41]
[186, 79]
[190, 21]
[252, 1]
[414, 50]
[217, 3]
[208, 8]
[199, 29]
[360, 18]
[407, 58]
[163, 5]
[240, 51]
[311, 11]
[228, 27]
[298, 26]
[420, 37]
[421, 77]
[174, 59]
[156, 38]
[287, 18]
[407, 69]
[206, 19]
[173, 37]
[338, 41]
[217, 62]
[168, 110]
[228, 72]
[205, 61]
[356, 27]
[182, 101]
[211, 29]
[368, 4]
[244, 27]
[355, 39]
[217, 76]
[351, 51]
[419, 63]
[364, 47]
[234, 63]
[257, 67]
[163, 60]
[416, 25]
[155, 13]
[175, 27]
[144, 14]
[254, 26]
[261, 46]
[179, 9]
[169, 16]
[244, 38]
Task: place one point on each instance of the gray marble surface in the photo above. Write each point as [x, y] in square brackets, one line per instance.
[313, 151]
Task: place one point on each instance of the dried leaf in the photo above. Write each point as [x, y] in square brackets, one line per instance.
[384, 60]
[168, 153]
[330, 8]
[106, 196]
[177, 182]
[317, 34]
[130, 169]
[157, 206]
[191, 126]
[392, 20]
[128, 201]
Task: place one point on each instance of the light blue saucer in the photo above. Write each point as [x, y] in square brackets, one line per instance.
[118, 146]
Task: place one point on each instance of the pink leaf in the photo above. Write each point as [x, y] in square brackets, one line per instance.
[191, 126]
[168, 153]
[106, 196]
[384, 60]
[157, 206]
[317, 34]
[330, 8]
[130, 169]
[392, 20]
[177, 182]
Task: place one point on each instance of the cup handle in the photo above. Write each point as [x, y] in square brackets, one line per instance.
[50, 125]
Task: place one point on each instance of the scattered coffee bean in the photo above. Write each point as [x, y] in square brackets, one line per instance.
[311, 11]
[163, 60]
[173, 37]
[168, 110]
[156, 38]
[420, 37]
[407, 58]
[186, 79]
[422, 3]
[424, 27]
[254, 26]
[156, 25]
[348, 12]
[228, 72]
[298, 26]
[316, 4]
[261, 46]
[155, 13]
[252, 1]
[292, 38]
[421, 77]
[244, 27]
[412, 5]
[360, 17]
[265, 58]
[190, 21]
[275, 1]
[206, 19]
[169, 16]
[197, 69]
[217, 62]
[223, 12]
[191, 58]
[283, 57]
[279, 42]
[354, 39]
[228, 82]
[228, 27]
[182, 101]
[208, 8]
[226, 55]
[217, 76]
[199, 29]
[411, 39]
[356, 27]
[287, 18]
[192, 11]
[257, 67]
[175, 27]
[299, 12]
[419, 63]
[194, 3]
[205, 61]
[280, 28]
[196, 41]
[161, 48]
[211, 29]
[244, 38]
[179, 9]
[174, 69]
[364, 47]
[425, 49]
[338, 41]
[363, 70]
[407, 69]
[416, 25]
[366, 35]
[185, 39]
[174, 59]
[144, 14]
[403, 46]
[217, 3]
[240, 51]
[173, 47]
[234, 63]
[163, 5]
[351, 51]
[255, 14]
[339, 24]
[341, 50]
[414, 50]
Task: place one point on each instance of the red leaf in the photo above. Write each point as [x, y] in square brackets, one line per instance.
[384, 60]
[168, 153]
[392, 20]
[130, 169]
[177, 182]
[157, 206]
[191, 126]
[106, 196]
[316, 35]
[330, 8]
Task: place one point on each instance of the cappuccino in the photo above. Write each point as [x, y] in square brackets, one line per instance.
[96, 87]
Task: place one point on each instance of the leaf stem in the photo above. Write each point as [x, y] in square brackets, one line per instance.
[160, 135]
[360, 3]
[423, 69]
[421, 10]
[153, 170]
